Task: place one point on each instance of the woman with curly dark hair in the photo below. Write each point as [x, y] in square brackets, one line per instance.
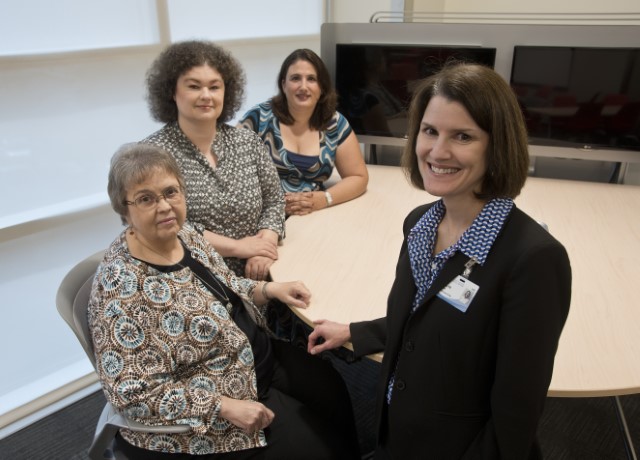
[233, 192]
[307, 137]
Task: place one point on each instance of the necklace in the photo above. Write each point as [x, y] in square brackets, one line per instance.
[219, 293]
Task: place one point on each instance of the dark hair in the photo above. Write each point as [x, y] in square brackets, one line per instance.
[326, 106]
[181, 57]
[493, 106]
[132, 164]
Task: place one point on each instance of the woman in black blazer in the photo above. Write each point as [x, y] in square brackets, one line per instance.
[481, 293]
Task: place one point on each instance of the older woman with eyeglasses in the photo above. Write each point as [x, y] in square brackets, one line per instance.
[180, 339]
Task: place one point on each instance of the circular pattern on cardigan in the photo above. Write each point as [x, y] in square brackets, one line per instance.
[128, 333]
[186, 354]
[181, 276]
[113, 309]
[142, 314]
[137, 410]
[246, 355]
[201, 390]
[129, 389]
[99, 334]
[112, 363]
[235, 385]
[203, 328]
[201, 445]
[262, 441]
[236, 440]
[164, 443]
[233, 338]
[189, 299]
[218, 365]
[129, 285]
[219, 310]
[173, 404]
[156, 289]
[112, 275]
[150, 361]
[220, 425]
[173, 323]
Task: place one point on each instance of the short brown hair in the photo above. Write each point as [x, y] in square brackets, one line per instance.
[492, 104]
[178, 58]
[132, 164]
[326, 106]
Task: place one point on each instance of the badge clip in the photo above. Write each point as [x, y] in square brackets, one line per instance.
[468, 267]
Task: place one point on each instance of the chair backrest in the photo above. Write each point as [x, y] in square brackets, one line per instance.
[72, 299]
[72, 302]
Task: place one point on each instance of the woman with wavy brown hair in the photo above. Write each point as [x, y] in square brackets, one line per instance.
[307, 137]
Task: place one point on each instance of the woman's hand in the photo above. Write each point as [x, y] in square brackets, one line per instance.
[293, 293]
[257, 267]
[264, 244]
[301, 203]
[251, 246]
[330, 335]
[249, 415]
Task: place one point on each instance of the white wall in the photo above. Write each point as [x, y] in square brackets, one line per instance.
[361, 10]
[539, 6]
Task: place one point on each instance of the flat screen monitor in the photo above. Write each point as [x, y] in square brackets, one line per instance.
[584, 97]
[375, 82]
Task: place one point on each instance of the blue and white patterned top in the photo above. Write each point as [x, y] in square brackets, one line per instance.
[475, 242]
[262, 120]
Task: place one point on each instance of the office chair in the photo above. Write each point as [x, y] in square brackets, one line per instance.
[72, 301]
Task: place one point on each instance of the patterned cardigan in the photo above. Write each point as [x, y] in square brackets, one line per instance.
[167, 350]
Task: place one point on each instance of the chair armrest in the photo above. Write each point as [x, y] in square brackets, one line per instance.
[111, 421]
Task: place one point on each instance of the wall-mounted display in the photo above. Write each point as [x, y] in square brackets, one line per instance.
[584, 97]
[375, 82]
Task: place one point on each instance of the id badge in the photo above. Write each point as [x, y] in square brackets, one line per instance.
[459, 293]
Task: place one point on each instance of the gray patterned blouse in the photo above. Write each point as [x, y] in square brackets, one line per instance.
[238, 198]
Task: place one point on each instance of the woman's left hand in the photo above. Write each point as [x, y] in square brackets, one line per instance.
[301, 203]
[293, 293]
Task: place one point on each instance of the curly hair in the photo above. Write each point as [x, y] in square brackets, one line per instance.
[179, 58]
[491, 103]
[326, 106]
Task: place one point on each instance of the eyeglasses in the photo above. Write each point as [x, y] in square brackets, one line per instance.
[150, 201]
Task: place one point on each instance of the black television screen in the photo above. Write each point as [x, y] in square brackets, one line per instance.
[375, 82]
[583, 97]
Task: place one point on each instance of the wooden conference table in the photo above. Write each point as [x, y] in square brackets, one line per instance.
[347, 254]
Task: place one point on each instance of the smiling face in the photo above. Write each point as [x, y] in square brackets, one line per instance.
[159, 226]
[199, 95]
[301, 86]
[451, 150]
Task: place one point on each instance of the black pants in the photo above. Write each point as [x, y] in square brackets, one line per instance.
[313, 415]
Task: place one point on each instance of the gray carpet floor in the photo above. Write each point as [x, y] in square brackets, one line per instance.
[570, 429]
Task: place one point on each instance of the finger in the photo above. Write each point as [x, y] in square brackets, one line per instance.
[319, 348]
[311, 341]
[298, 303]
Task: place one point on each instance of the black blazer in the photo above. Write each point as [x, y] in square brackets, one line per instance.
[471, 385]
